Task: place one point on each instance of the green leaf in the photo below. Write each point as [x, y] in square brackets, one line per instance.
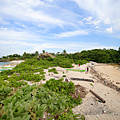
[44, 100]
[26, 117]
[17, 118]
[27, 106]
[43, 106]
[4, 117]
[51, 106]
[40, 113]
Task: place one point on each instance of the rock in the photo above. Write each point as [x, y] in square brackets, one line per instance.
[97, 116]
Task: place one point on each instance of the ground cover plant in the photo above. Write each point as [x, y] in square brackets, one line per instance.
[21, 101]
[32, 102]
[53, 70]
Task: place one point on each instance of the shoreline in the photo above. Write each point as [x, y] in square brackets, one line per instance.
[10, 65]
[92, 108]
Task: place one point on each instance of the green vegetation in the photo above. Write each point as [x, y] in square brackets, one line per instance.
[18, 100]
[101, 56]
[53, 70]
[96, 55]
[21, 101]
[75, 70]
[31, 102]
[64, 75]
[91, 84]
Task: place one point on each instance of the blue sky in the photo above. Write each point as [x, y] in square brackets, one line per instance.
[55, 25]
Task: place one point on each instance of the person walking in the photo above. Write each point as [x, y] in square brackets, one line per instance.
[87, 69]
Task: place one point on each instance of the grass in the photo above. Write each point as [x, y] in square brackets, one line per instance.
[75, 70]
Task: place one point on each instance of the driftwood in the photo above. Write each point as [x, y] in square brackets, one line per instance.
[101, 99]
[82, 79]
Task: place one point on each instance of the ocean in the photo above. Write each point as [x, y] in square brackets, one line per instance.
[4, 63]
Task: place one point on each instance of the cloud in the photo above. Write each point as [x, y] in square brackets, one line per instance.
[91, 20]
[88, 19]
[109, 30]
[19, 47]
[28, 25]
[3, 22]
[25, 11]
[73, 33]
[20, 24]
[6, 34]
[4, 29]
[49, 0]
[107, 11]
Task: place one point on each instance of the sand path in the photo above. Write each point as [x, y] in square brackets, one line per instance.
[111, 73]
[91, 107]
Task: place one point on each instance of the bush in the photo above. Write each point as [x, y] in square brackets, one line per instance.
[64, 75]
[53, 70]
[81, 62]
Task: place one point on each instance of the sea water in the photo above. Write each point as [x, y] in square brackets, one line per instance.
[4, 63]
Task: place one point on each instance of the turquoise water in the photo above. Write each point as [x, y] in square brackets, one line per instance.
[4, 63]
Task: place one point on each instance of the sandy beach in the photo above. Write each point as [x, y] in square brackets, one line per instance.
[92, 108]
[104, 84]
[111, 73]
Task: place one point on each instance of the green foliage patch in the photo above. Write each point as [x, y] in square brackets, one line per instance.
[31, 102]
[53, 70]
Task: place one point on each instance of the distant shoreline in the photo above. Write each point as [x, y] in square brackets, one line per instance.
[10, 65]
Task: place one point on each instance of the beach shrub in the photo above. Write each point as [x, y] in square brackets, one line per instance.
[4, 92]
[16, 84]
[64, 75]
[53, 70]
[64, 88]
[3, 83]
[65, 64]
[4, 77]
[60, 87]
[6, 72]
[81, 62]
[31, 102]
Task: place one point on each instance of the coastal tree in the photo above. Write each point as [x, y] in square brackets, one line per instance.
[36, 53]
[43, 51]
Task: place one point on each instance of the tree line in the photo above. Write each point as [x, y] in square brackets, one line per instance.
[96, 55]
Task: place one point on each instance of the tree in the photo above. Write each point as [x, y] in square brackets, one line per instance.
[64, 52]
[4, 57]
[43, 51]
[36, 53]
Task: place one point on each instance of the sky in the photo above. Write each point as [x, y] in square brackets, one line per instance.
[55, 25]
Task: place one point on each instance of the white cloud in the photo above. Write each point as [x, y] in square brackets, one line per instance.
[106, 10]
[4, 29]
[20, 24]
[107, 21]
[24, 11]
[3, 22]
[109, 30]
[19, 47]
[6, 34]
[73, 33]
[49, 0]
[90, 20]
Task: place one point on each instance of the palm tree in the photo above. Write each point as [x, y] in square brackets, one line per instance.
[43, 51]
[64, 52]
